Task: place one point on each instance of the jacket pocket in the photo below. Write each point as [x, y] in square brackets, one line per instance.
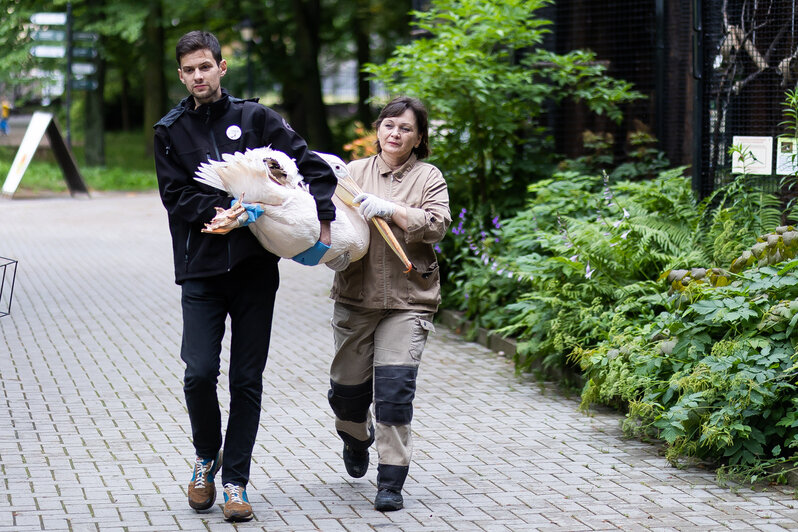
[424, 285]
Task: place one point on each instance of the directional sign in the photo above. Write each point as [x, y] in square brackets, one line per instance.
[49, 19]
[85, 36]
[89, 53]
[84, 84]
[48, 35]
[83, 69]
[47, 50]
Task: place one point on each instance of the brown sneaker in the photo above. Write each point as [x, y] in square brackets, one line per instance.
[202, 489]
[236, 504]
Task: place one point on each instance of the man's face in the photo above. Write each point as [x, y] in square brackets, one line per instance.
[202, 76]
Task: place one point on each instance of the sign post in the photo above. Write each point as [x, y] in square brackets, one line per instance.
[59, 44]
[41, 124]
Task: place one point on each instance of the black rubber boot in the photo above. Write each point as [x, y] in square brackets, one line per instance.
[388, 500]
[356, 461]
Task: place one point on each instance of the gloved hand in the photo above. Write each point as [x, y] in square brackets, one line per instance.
[312, 255]
[341, 262]
[371, 206]
[251, 212]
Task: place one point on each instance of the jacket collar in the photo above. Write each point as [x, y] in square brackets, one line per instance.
[211, 110]
[401, 171]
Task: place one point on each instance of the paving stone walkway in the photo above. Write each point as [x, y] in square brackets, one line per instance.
[94, 434]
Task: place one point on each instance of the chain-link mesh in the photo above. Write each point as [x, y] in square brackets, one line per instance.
[746, 57]
[750, 60]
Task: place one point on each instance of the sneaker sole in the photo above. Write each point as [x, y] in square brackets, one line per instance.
[238, 517]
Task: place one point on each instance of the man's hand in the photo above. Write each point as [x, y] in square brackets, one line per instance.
[371, 206]
[252, 212]
[326, 235]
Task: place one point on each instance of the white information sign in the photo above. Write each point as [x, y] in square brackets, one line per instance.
[49, 19]
[48, 50]
[786, 156]
[756, 157]
[33, 136]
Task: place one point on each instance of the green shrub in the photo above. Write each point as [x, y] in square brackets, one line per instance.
[487, 80]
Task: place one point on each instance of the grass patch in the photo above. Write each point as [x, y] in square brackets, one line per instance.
[128, 166]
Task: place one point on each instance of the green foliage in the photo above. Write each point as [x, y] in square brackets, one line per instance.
[487, 80]
[736, 212]
[706, 362]
[713, 378]
[789, 182]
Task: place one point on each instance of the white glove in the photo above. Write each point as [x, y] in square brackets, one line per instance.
[339, 263]
[371, 206]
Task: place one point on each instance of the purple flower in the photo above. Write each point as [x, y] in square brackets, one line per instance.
[589, 271]
[463, 213]
[496, 223]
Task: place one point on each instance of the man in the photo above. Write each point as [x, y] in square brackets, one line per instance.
[223, 275]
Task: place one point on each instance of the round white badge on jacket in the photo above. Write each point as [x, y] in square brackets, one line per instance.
[233, 132]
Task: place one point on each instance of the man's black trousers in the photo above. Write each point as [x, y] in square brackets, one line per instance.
[247, 294]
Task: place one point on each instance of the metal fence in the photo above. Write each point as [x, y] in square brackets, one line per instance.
[749, 59]
[711, 70]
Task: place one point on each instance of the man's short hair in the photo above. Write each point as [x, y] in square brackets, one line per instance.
[198, 40]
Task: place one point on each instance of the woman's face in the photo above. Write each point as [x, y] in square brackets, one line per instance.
[398, 135]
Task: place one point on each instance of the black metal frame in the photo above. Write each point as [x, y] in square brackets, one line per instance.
[5, 264]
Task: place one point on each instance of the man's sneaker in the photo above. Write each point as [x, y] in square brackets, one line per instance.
[388, 500]
[202, 489]
[236, 504]
[356, 461]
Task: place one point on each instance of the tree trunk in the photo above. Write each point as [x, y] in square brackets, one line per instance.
[94, 116]
[154, 83]
[307, 108]
[360, 29]
[95, 121]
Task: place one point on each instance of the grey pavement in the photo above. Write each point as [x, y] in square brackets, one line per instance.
[94, 434]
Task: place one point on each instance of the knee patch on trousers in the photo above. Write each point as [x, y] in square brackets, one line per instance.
[350, 403]
[394, 390]
[391, 476]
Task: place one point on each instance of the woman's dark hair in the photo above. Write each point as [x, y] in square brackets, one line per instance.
[398, 106]
[198, 40]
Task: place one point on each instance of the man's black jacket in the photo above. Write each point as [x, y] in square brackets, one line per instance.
[186, 137]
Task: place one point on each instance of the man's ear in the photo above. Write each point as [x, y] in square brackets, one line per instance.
[223, 67]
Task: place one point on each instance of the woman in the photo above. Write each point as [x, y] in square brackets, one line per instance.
[382, 316]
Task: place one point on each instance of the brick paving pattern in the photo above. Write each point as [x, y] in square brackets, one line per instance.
[94, 434]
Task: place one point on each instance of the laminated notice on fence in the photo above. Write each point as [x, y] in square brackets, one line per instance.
[786, 156]
[752, 155]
